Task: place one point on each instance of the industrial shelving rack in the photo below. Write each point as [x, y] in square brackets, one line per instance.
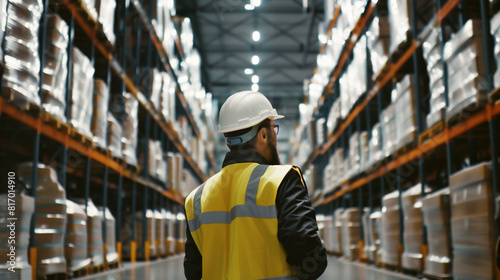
[440, 152]
[84, 170]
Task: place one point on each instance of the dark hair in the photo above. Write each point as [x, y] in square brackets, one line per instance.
[250, 144]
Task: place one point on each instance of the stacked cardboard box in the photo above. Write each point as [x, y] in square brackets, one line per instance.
[94, 234]
[464, 55]
[75, 243]
[106, 10]
[25, 206]
[350, 233]
[130, 126]
[472, 223]
[403, 98]
[390, 229]
[55, 69]
[100, 113]
[111, 254]
[388, 118]
[432, 49]
[413, 229]
[160, 232]
[20, 50]
[374, 230]
[378, 40]
[436, 214]
[50, 219]
[115, 132]
[81, 93]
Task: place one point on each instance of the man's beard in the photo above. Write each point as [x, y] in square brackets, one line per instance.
[275, 157]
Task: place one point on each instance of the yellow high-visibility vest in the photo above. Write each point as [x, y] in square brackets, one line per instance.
[233, 220]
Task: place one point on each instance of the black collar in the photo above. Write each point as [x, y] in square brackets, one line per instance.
[240, 156]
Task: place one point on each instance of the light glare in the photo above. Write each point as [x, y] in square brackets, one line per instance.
[255, 79]
[255, 87]
[256, 36]
[249, 71]
[249, 7]
[255, 59]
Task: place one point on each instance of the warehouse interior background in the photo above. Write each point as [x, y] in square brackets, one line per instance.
[108, 119]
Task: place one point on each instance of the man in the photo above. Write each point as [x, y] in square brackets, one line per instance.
[253, 219]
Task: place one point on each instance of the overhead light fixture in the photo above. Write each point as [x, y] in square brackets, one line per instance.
[249, 7]
[255, 3]
[255, 87]
[255, 79]
[249, 71]
[256, 36]
[255, 60]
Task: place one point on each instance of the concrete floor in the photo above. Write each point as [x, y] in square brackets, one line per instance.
[172, 269]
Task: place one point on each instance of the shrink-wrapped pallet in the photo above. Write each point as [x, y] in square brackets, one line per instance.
[181, 232]
[412, 258]
[94, 234]
[150, 238]
[374, 230]
[130, 126]
[432, 50]
[472, 223]
[354, 153]
[365, 219]
[160, 232]
[333, 116]
[3, 20]
[55, 69]
[81, 93]
[179, 165]
[111, 254]
[114, 136]
[25, 206]
[388, 118]
[167, 97]
[495, 31]
[364, 152]
[390, 229]
[90, 6]
[350, 233]
[356, 71]
[464, 55]
[378, 40]
[172, 233]
[156, 83]
[328, 230]
[436, 214]
[75, 242]
[20, 51]
[106, 11]
[403, 98]
[100, 113]
[337, 232]
[375, 146]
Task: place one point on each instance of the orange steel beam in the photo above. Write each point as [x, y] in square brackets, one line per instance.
[446, 10]
[479, 118]
[330, 27]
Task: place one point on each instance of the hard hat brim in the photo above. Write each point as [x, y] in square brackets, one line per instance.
[274, 117]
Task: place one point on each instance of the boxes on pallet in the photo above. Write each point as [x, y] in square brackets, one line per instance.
[333, 117]
[20, 50]
[374, 231]
[412, 258]
[436, 214]
[25, 206]
[168, 97]
[464, 55]
[160, 232]
[111, 254]
[155, 84]
[388, 118]
[337, 232]
[432, 50]
[390, 229]
[403, 98]
[130, 126]
[328, 233]
[115, 132]
[375, 146]
[172, 231]
[106, 10]
[55, 69]
[89, 5]
[100, 113]
[50, 219]
[365, 219]
[3, 20]
[354, 153]
[378, 40]
[150, 229]
[81, 93]
[181, 234]
[94, 234]
[350, 233]
[472, 223]
[364, 152]
[75, 242]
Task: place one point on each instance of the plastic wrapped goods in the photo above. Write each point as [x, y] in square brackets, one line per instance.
[94, 234]
[495, 30]
[375, 146]
[3, 11]
[160, 233]
[172, 233]
[472, 223]
[350, 233]
[75, 242]
[25, 206]
[354, 153]
[390, 229]
[436, 214]
[412, 255]
[181, 235]
[91, 8]
[464, 56]
[378, 40]
[130, 126]
[150, 235]
[366, 230]
[106, 9]
[337, 231]
[100, 113]
[111, 254]
[155, 87]
[388, 118]
[20, 50]
[333, 116]
[405, 111]
[55, 69]
[81, 93]
[374, 230]
[432, 49]
[114, 136]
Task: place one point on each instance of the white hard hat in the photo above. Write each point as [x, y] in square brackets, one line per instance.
[245, 109]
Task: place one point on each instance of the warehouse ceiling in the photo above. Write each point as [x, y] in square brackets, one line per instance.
[287, 49]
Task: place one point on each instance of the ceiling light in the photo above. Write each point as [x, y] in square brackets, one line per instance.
[249, 7]
[249, 71]
[255, 60]
[255, 79]
[255, 3]
[256, 36]
[255, 87]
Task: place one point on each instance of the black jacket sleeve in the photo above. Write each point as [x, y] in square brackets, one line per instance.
[192, 258]
[298, 229]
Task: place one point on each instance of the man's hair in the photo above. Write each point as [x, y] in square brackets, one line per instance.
[251, 143]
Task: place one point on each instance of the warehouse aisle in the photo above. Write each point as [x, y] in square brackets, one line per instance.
[172, 269]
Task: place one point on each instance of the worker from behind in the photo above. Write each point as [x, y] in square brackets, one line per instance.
[253, 219]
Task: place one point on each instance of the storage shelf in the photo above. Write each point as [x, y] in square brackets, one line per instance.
[382, 80]
[331, 25]
[88, 25]
[442, 138]
[63, 138]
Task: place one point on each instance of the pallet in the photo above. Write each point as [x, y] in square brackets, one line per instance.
[102, 150]
[113, 265]
[390, 267]
[59, 276]
[431, 132]
[412, 272]
[79, 273]
[464, 114]
[55, 122]
[84, 139]
[20, 101]
[97, 268]
[434, 277]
